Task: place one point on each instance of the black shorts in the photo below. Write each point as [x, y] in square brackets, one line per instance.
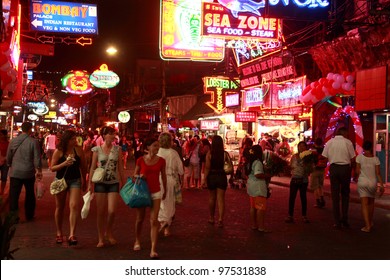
[217, 180]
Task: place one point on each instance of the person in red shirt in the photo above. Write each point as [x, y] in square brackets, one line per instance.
[150, 167]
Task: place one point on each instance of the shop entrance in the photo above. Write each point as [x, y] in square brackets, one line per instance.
[382, 140]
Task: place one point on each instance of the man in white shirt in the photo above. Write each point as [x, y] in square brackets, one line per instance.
[340, 151]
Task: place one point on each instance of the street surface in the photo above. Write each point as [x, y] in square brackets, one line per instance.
[193, 238]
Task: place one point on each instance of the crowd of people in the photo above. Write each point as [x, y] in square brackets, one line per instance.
[160, 162]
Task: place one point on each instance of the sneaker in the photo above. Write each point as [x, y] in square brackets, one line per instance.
[289, 220]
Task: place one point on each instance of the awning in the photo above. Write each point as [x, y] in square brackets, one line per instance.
[199, 110]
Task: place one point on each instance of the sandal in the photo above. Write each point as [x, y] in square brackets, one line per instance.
[72, 240]
[137, 247]
[100, 245]
[112, 241]
[364, 229]
[220, 224]
[154, 256]
[211, 222]
[59, 239]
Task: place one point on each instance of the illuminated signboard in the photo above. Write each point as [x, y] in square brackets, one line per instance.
[248, 50]
[63, 17]
[218, 87]
[248, 116]
[232, 100]
[180, 37]
[278, 67]
[32, 117]
[124, 117]
[219, 21]
[253, 97]
[209, 125]
[77, 82]
[299, 9]
[104, 78]
[39, 108]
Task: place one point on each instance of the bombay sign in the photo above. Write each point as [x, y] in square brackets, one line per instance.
[63, 17]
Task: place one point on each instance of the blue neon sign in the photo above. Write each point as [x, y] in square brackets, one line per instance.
[63, 17]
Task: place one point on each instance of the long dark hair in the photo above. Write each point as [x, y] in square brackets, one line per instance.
[148, 142]
[65, 138]
[255, 153]
[217, 152]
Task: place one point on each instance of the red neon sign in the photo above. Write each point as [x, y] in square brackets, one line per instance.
[217, 21]
[248, 116]
[209, 125]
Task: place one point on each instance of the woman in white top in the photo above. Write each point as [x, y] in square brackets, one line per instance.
[106, 192]
[174, 171]
[368, 172]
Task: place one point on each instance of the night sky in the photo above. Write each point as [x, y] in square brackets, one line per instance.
[132, 26]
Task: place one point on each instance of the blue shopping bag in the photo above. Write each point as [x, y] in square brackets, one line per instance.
[136, 194]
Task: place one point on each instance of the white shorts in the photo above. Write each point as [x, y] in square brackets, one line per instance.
[156, 195]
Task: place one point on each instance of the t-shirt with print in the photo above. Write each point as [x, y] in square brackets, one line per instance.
[111, 160]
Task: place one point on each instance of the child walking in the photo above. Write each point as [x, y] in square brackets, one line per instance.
[257, 188]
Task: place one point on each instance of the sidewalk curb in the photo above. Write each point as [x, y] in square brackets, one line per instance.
[378, 202]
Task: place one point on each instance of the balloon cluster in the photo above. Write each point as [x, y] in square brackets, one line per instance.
[330, 86]
[8, 73]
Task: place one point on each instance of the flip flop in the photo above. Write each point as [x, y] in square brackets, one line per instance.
[137, 247]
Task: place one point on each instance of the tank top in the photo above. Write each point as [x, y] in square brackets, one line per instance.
[73, 171]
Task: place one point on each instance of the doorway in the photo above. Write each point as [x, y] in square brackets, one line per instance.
[382, 143]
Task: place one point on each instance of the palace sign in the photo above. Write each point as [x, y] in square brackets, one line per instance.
[219, 21]
[63, 17]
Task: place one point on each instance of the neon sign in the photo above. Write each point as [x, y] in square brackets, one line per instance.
[124, 117]
[254, 97]
[209, 125]
[180, 36]
[217, 21]
[248, 116]
[218, 87]
[104, 78]
[232, 100]
[63, 17]
[77, 82]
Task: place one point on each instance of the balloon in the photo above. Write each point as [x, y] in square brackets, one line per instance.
[347, 86]
[330, 76]
[340, 79]
[350, 79]
[322, 81]
[336, 85]
[306, 90]
[312, 85]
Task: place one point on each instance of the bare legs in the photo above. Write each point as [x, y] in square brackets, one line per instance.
[154, 227]
[103, 199]
[367, 212]
[217, 196]
[74, 201]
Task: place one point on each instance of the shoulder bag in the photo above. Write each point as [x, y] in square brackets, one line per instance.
[59, 185]
[99, 173]
[228, 165]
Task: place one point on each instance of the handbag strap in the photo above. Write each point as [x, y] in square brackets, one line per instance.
[13, 154]
[65, 172]
[105, 166]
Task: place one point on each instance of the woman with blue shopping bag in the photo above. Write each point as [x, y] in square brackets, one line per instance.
[150, 167]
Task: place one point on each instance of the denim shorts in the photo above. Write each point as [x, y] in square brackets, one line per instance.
[74, 183]
[106, 188]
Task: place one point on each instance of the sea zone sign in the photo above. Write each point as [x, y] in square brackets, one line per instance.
[218, 21]
[63, 17]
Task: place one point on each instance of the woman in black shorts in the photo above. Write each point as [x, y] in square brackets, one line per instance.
[216, 179]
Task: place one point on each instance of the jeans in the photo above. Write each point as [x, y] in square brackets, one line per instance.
[340, 179]
[297, 184]
[16, 185]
